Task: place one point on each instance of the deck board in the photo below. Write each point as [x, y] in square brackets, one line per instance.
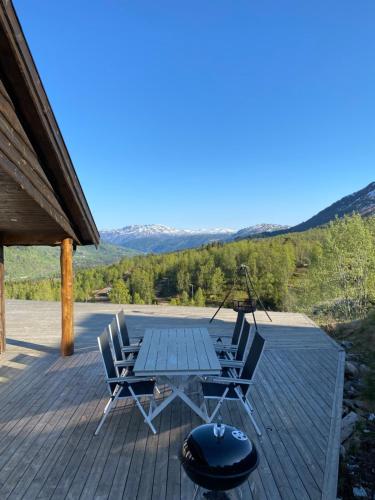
[50, 407]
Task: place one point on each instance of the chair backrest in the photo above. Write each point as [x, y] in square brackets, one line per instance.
[244, 339]
[238, 327]
[122, 328]
[113, 332]
[105, 350]
[253, 358]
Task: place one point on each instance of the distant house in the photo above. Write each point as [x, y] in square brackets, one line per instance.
[102, 295]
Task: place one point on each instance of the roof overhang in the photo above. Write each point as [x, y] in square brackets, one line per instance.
[24, 86]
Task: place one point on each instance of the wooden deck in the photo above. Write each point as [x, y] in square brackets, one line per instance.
[50, 406]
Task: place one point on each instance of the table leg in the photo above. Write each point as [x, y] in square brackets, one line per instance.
[163, 405]
[179, 391]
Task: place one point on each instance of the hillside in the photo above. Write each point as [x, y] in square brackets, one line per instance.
[361, 202]
[42, 262]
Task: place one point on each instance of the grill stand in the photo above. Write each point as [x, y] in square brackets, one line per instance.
[218, 495]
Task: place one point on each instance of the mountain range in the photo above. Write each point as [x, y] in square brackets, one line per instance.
[157, 238]
[37, 262]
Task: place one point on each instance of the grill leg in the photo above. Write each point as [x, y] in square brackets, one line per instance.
[197, 488]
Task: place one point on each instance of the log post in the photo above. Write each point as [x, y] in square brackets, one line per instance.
[66, 263]
[2, 302]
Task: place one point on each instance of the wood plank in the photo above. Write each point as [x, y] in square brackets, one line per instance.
[143, 352]
[199, 351]
[213, 360]
[300, 417]
[109, 440]
[48, 449]
[288, 426]
[289, 482]
[22, 451]
[333, 446]
[2, 302]
[172, 360]
[163, 346]
[284, 432]
[152, 350]
[32, 460]
[182, 350]
[190, 349]
[159, 487]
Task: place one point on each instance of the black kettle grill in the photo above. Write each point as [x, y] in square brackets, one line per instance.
[218, 457]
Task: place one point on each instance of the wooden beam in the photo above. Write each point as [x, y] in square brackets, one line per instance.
[66, 262]
[2, 302]
[31, 238]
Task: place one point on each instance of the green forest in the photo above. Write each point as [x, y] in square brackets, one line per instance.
[327, 271]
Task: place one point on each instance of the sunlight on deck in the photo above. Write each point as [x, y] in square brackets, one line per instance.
[50, 407]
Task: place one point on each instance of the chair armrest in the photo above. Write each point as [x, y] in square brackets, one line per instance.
[231, 380]
[125, 363]
[225, 347]
[131, 348]
[137, 339]
[128, 380]
[230, 363]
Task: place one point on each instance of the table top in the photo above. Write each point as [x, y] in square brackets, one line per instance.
[177, 351]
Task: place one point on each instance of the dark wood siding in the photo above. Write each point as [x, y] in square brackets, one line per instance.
[28, 201]
[25, 89]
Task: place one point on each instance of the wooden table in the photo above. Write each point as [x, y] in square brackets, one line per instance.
[177, 352]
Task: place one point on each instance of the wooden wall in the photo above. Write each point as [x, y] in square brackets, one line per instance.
[28, 203]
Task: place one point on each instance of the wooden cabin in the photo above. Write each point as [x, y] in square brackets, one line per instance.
[101, 295]
[41, 199]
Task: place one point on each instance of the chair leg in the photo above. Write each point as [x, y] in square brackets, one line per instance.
[218, 406]
[250, 413]
[108, 405]
[106, 411]
[249, 410]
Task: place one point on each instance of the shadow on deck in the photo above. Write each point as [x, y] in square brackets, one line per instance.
[50, 407]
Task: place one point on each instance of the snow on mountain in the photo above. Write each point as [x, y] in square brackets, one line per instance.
[150, 229]
[258, 229]
[157, 238]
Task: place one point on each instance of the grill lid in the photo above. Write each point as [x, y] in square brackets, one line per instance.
[220, 450]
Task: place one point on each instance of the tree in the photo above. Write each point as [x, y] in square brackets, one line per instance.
[184, 299]
[344, 273]
[119, 293]
[217, 281]
[142, 284]
[137, 299]
[182, 280]
[199, 299]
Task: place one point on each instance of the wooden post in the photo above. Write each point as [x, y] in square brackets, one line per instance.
[2, 302]
[66, 263]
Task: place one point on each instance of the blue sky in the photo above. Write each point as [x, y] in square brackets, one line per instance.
[208, 113]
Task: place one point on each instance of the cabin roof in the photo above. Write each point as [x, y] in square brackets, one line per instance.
[59, 193]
